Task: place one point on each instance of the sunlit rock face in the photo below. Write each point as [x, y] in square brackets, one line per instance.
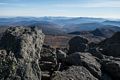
[74, 73]
[22, 48]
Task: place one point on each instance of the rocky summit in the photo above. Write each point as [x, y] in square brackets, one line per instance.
[24, 56]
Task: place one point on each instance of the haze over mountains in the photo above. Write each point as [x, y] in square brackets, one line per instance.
[63, 25]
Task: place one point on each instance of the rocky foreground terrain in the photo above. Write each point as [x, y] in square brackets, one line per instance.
[24, 57]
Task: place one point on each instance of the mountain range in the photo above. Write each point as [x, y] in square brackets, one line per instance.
[62, 25]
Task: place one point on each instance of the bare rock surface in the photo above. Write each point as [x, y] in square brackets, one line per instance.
[112, 67]
[74, 73]
[86, 60]
[21, 53]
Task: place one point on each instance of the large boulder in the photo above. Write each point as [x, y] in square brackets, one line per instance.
[112, 67]
[22, 52]
[77, 44]
[86, 60]
[111, 46]
[73, 73]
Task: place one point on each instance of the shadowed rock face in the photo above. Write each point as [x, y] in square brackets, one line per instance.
[111, 46]
[112, 67]
[22, 46]
[77, 44]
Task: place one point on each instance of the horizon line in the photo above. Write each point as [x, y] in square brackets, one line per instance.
[61, 17]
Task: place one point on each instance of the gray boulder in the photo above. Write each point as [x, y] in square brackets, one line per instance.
[22, 46]
[112, 67]
[73, 73]
[77, 44]
[86, 60]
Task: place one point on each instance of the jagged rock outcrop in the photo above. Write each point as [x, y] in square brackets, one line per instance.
[86, 60]
[77, 44]
[22, 48]
[73, 73]
[111, 46]
[112, 67]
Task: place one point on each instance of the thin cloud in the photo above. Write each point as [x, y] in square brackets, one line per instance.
[13, 4]
[3, 3]
[92, 4]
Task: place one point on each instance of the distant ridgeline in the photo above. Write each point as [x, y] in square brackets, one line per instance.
[65, 25]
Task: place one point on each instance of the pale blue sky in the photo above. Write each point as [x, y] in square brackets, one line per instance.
[81, 8]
